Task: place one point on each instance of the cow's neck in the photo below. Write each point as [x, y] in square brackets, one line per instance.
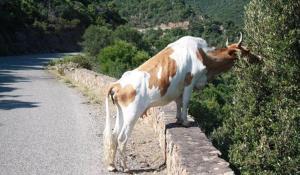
[217, 62]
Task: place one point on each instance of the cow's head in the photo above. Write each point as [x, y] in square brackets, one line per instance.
[222, 59]
[237, 48]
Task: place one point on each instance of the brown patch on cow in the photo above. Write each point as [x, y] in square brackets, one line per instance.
[162, 61]
[200, 55]
[188, 79]
[124, 96]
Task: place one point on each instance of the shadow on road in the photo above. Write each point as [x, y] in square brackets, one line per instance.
[10, 68]
[26, 62]
[12, 104]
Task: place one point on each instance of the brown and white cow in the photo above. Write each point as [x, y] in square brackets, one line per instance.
[171, 75]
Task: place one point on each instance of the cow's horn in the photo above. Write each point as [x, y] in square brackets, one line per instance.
[227, 43]
[241, 39]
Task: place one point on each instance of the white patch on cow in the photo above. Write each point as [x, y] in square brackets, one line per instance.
[131, 77]
[159, 73]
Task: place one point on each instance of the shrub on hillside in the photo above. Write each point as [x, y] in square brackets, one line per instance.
[80, 61]
[262, 134]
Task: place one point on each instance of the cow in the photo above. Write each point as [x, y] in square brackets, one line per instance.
[170, 75]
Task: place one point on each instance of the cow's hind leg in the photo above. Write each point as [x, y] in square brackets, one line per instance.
[130, 118]
[122, 141]
[117, 129]
[110, 147]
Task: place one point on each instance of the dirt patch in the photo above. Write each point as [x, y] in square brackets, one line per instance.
[171, 25]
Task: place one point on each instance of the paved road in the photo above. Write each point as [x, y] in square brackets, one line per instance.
[45, 127]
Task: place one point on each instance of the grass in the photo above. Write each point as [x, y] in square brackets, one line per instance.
[79, 61]
[91, 96]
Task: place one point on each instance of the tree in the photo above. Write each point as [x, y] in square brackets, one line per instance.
[95, 38]
[265, 109]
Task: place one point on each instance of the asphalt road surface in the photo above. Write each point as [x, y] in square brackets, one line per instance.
[45, 126]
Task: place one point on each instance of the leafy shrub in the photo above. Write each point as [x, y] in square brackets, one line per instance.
[262, 133]
[80, 60]
[115, 59]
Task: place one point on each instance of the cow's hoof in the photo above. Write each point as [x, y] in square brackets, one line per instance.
[126, 170]
[111, 168]
[187, 123]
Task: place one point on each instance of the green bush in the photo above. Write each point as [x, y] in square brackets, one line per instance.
[262, 134]
[80, 60]
[119, 57]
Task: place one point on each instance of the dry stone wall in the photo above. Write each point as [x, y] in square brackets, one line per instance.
[187, 150]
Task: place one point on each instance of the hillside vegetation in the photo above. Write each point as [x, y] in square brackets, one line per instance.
[251, 113]
[29, 26]
[152, 12]
[220, 10]
[261, 132]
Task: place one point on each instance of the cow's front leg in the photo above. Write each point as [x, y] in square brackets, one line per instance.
[178, 111]
[185, 102]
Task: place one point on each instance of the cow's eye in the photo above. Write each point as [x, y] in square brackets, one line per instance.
[231, 52]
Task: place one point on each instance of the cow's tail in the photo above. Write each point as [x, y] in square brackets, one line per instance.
[109, 140]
